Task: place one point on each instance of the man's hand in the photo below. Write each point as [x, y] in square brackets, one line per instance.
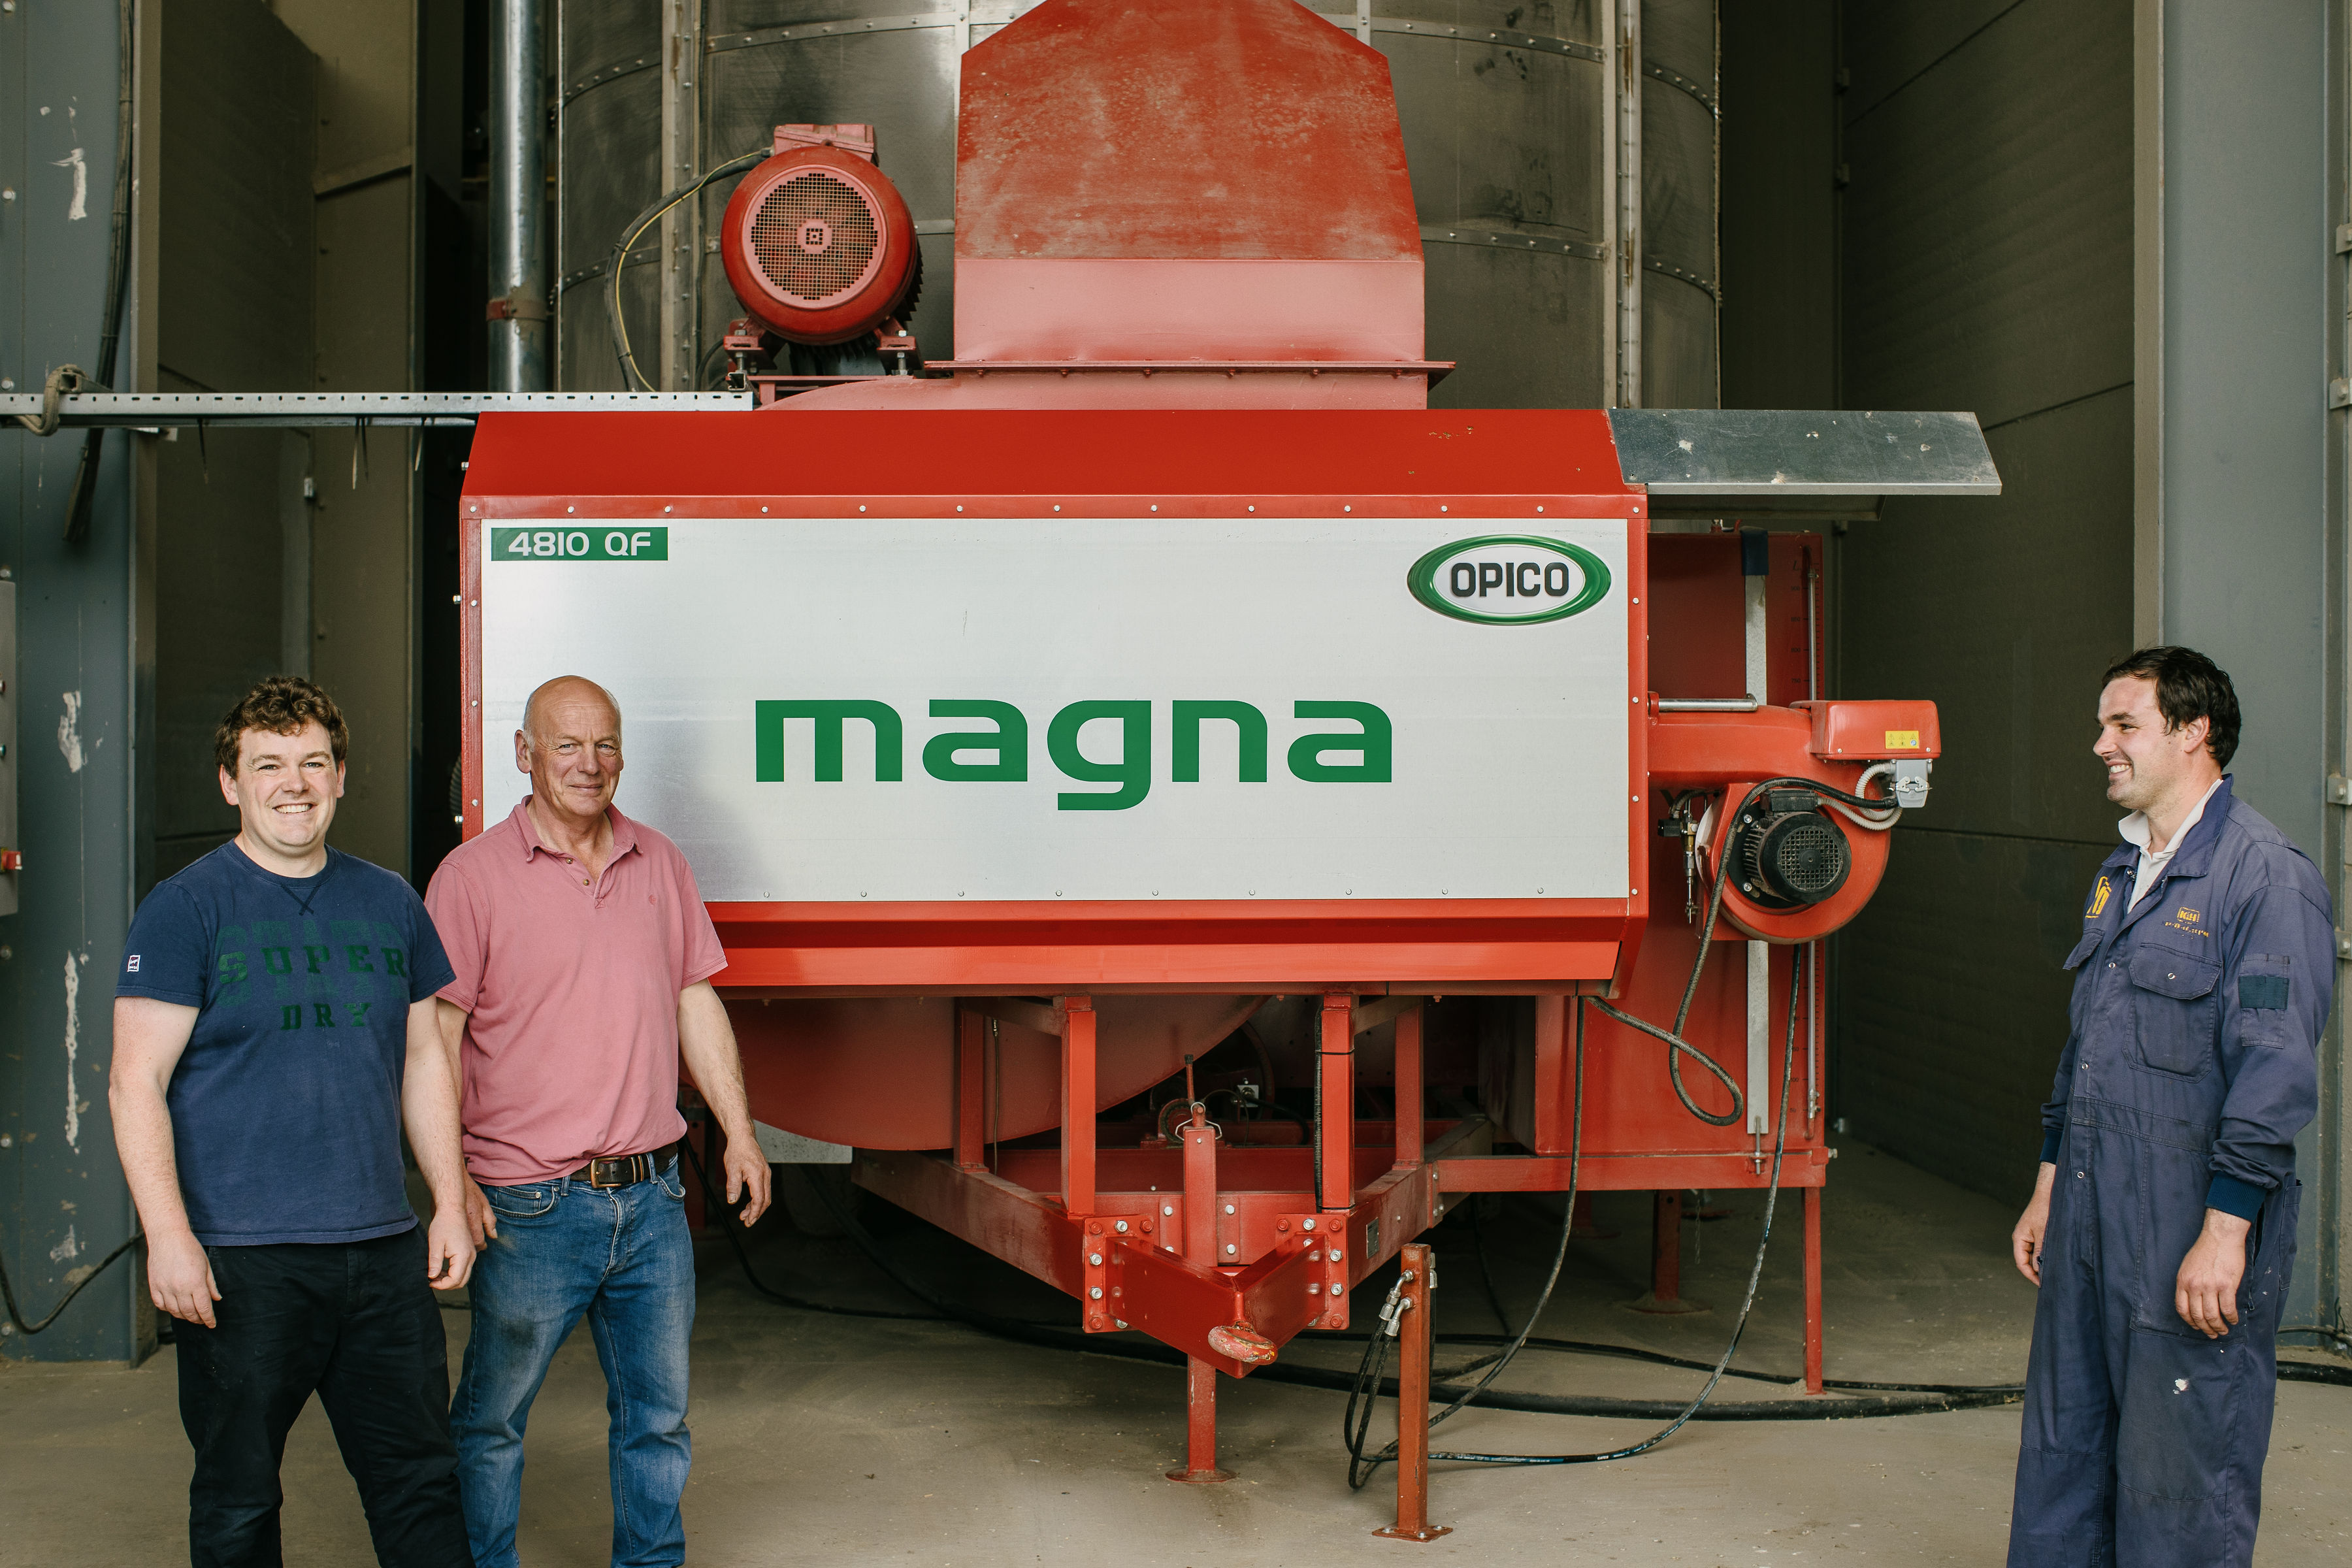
[481, 1219]
[2025, 1241]
[747, 1174]
[448, 1250]
[180, 1278]
[2206, 1293]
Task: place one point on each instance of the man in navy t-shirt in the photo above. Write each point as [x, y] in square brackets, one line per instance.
[273, 1027]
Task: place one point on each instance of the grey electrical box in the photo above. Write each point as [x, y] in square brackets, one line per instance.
[11, 844]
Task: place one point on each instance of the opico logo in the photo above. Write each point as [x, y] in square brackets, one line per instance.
[1509, 579]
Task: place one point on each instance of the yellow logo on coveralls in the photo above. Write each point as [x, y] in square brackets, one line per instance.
[2185, 915]
[2099, 898]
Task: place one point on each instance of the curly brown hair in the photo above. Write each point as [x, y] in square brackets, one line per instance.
[280, 704]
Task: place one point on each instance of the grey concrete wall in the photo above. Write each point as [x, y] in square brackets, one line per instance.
[63, 1205]
[1986, 264]
[2241, 499]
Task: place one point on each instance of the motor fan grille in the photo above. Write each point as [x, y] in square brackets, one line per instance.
[816, 237]
[1810, 859]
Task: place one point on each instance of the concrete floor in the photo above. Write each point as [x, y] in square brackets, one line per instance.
[841, 1440]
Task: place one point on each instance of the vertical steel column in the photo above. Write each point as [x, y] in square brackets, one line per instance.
[1626, 78]
[1077, 1103]
[972, 1063]
[1418, 1265]
[1813, 1289]
[518, 283]
[1201, 1249]
[1409, 1142]
[681, 230]
[1335, 1106]
[1756, 567]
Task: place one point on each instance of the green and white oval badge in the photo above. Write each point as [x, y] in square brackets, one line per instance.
[1509, 579]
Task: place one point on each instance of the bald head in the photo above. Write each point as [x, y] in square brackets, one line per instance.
[559, 704]
[570, 744]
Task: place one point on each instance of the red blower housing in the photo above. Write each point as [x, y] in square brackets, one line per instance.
[817, 241]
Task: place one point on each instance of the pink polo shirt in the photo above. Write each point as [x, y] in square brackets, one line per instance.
[570, 988]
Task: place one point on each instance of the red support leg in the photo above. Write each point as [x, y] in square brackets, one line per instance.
[1414, 1261]
[1335, 1149]
[1813, 1289]
[1666, 1248]
[1200, 1426]
[972, 1059]
[1200, 1248]
[1666, 1258]
[1078, 1104]
[1409, 1144]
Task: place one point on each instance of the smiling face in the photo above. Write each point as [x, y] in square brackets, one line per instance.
[2149, 765]
[571, 747]
[285, 790]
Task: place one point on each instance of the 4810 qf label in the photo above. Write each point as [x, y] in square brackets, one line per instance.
[580, 544]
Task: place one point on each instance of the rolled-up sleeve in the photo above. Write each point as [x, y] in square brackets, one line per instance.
[2274, 999]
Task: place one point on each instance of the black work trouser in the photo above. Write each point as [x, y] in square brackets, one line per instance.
[356, 1324]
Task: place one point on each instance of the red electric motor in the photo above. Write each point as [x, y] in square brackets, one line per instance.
[817, 241]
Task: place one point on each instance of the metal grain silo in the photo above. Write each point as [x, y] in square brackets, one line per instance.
[1550, 140]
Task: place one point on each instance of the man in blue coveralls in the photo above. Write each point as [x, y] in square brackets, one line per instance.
[2162, 1227]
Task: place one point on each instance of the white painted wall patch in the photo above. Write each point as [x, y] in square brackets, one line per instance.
[69, 731]
[79, 207]
[73, 1048]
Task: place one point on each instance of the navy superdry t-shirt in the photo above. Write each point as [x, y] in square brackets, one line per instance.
[286, 1104]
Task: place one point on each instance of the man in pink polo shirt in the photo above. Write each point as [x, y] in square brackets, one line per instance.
[584, 959]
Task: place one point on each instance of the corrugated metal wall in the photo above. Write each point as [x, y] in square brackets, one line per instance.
[1986, 264]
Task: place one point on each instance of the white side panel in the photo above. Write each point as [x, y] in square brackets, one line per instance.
[1510, 742]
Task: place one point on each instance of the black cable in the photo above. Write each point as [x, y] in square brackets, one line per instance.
[632, 379]
[730, 1223]
[8, 1291]
[1678, 1047]
[1739, 1327]
[1486, 1275]
[1352, 1429]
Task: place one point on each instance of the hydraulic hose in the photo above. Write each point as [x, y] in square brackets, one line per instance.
[1676, 1046]
[1748, 1305]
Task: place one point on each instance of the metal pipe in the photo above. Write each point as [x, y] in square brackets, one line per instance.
[518, 260]
[1708, 704]
[1812, 631]
[1812, 1037]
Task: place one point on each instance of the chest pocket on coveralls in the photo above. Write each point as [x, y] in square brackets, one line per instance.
[2173, 1009]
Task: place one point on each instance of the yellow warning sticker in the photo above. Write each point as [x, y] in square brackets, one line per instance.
[1902, 740]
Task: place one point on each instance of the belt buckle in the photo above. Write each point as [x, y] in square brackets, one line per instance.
[624, 1170]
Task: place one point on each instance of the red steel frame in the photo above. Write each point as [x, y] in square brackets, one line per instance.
[1224, 1252]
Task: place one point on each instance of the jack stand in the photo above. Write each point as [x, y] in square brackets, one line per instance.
[1200, 1248]
[1412, 1329]
[1200, 1426]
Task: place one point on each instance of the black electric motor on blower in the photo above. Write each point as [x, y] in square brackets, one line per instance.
[1786, 851]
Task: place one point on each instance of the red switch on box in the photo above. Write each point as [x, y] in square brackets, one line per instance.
[12, 859]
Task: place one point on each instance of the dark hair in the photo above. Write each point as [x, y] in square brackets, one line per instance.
[280, 704]
[2189, 687]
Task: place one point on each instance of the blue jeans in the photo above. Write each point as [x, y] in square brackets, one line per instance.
[623, 1257]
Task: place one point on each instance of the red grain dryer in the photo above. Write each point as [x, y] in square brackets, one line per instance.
[1162, 672]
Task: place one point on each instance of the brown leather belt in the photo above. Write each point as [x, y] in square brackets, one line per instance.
[624, 1170]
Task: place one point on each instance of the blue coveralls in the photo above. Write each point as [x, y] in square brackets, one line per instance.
[2192, 1065]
